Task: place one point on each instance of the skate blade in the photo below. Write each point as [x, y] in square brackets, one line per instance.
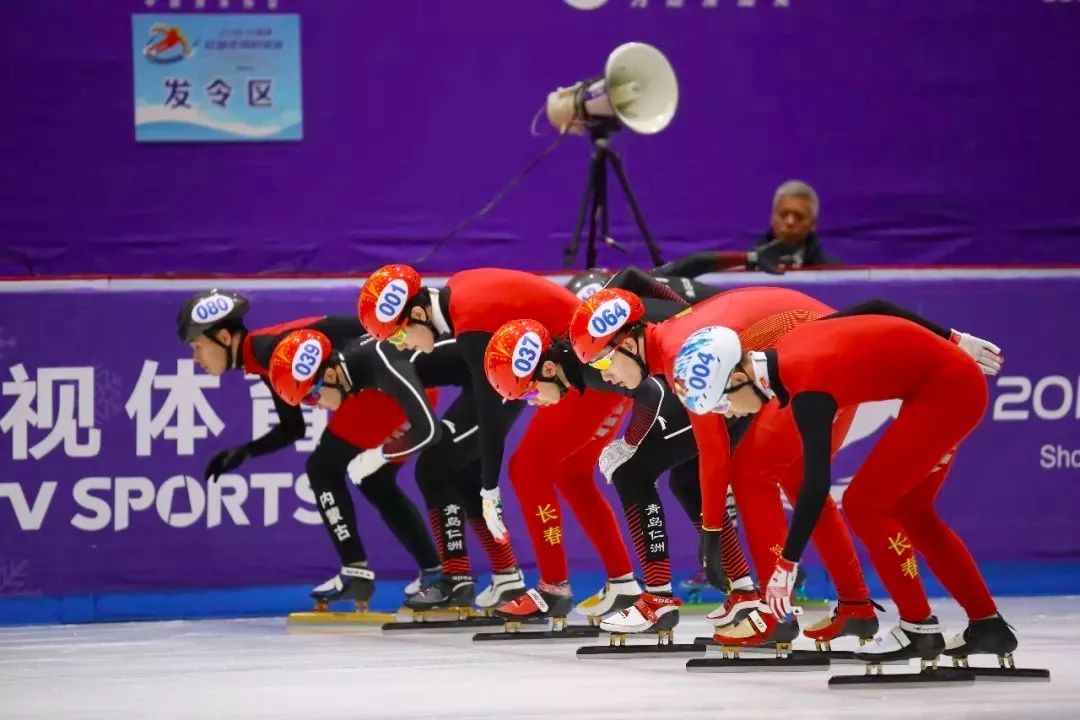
[626, 652]
[325, 618]
[797, 661]
[1010, 674]
[408, 613]
[436, 626]
[931, 677]
[570, 633]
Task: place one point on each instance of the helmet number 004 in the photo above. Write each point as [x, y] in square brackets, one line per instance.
[306, 360]
[699, 371]
[211, 308]
[526, 354]
[609, 317]
[391, 300]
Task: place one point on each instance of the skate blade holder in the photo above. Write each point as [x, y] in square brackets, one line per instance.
[560, 630]
[930, 675]
[423, 622]
[323, 616]
[847, 657]
[783, 659]
[1005, 672]
[664, 647]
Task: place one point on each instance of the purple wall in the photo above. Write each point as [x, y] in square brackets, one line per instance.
[935, 131]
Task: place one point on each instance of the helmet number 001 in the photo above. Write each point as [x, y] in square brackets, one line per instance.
[212, 308]
[391, 300]
[526, 354]
[609, 317]
[700, 370]
[306, 360]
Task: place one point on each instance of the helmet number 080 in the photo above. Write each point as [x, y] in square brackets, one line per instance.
[211, 308]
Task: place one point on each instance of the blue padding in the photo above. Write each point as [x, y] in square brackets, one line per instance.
[1003, 578]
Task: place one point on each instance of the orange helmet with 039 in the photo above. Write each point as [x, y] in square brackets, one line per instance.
[297, 364]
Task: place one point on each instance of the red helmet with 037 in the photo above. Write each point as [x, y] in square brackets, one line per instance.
[297, 364]
[513, 355]
[602, 321]
[384, 297]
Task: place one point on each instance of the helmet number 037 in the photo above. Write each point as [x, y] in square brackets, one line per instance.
[211, 307]
[526, 354]
[609, 317]
[307, 360]
[391, 300]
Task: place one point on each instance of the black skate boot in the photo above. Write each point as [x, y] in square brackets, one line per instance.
[991, 636]
[351, 583]
[447, 591]
[905, 641]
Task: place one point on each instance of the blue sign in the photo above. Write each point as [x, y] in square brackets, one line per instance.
[210, 77]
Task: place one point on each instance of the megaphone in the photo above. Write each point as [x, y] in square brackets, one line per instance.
[638, 90]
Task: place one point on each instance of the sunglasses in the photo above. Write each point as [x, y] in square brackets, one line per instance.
[604, 361]
[399, 336]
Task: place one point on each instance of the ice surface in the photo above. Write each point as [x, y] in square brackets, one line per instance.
[258, 668]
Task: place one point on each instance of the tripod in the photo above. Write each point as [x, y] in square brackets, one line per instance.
[595, 202]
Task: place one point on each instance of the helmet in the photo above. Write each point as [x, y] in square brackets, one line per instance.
[603, 320]
[297, 363]
[513, 354]
[384, 297]
[586, 283]
[210, 310]
[703, 368]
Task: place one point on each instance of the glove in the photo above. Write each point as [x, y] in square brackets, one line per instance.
[781, 585]
[985, 353]
[614, 455]
[364, 464]
[712, 559]
[226, 461]
[766, 264]
[492, 505]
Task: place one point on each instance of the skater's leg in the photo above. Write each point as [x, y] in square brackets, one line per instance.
[400, 515]
[945, 553]
[931, 423]
[326, 471]
[500, 554]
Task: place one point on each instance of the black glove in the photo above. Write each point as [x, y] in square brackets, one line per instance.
[766, 263]
[712, 559]
[226, 461]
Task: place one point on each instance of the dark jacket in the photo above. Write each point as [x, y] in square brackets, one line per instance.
[813, 252]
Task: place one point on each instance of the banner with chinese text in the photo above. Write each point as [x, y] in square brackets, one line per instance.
[106, 425]
[210, 77]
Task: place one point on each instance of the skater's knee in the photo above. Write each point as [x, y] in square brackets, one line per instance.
[525, 469]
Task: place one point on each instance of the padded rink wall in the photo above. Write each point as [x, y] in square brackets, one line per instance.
[106, 425]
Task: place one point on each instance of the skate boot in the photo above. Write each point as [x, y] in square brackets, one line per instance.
[616, 595]
[737, 606]
[351, 583]
[505, 586]
[847, 619]
[649, 613]
[758, 629]
[905, 641]
[540, 603]
[991, 636]
[425, 578]
[448, 591]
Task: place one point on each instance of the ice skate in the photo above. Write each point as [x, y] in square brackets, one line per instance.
[847, 619]
[737, 605]
[650, 613]
[759, 642]
[905, 642]
[616, 595]
[443, 603]
[539, 605]
[506, 586]
[991, 636]
[350, 583]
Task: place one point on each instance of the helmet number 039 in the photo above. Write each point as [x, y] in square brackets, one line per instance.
[526, 354]
[211, 308]
[609, 317]
[391, 300]
[307, 360]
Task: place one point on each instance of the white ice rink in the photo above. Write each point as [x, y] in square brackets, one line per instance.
[257, 668]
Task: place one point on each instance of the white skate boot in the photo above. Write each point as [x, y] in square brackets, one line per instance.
[614, 596]
[505, 586]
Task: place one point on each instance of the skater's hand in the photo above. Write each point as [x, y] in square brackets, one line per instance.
[614, 455]
[225, 461]
[986, 354]
[365, 464]
[781, 585]
[493, 515]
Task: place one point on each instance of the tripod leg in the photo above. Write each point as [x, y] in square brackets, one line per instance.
[599, 206]
[588, 202]
[654, 250]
